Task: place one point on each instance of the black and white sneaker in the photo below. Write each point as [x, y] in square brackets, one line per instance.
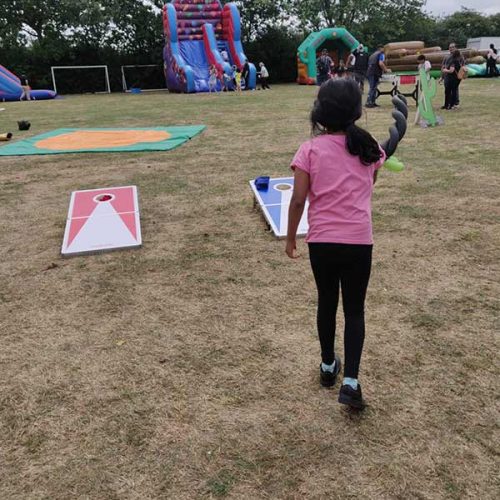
[328, 379]
[351, 397]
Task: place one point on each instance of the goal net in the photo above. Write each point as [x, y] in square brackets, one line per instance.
[143, 76]
[80, 79]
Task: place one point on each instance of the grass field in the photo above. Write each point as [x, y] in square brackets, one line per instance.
[188, 368]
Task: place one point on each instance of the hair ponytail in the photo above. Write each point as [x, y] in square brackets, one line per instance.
[361, 143]
[336, 109]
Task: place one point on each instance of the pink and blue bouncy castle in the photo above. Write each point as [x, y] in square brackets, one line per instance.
[10, 88]
[196, 32]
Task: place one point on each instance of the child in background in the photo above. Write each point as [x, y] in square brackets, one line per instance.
[336, 170]
[422, 63]
[212, 80]
[25, 85]
[237, 79]
[226, 81]
[341, 69]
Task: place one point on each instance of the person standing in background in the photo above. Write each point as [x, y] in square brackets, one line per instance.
[376, 67]
[452, 47]
[25, 85]
[264, 76]
[360, 66]
[491, 61]
[452, 80]
[324, 66]
[245, 75]
[341, 70]
[427, 66]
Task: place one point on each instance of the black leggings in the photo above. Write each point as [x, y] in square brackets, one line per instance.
[451, 92]
[348, 267]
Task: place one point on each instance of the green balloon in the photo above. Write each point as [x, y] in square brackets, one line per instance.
[394, 165]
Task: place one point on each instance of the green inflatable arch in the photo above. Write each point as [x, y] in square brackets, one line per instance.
[337, 40]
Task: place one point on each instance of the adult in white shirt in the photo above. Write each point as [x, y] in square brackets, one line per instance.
[264, 75]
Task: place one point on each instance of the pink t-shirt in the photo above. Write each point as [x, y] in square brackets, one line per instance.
[340, 191]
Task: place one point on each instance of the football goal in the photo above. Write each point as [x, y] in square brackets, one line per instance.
[147, 77]
[81, 79]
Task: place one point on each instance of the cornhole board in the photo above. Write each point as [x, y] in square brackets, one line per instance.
[274, 203]
[102, 219]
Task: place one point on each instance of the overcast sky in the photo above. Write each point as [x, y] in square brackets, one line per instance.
[440, 7]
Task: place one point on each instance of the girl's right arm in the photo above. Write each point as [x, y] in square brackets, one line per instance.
[296, 209]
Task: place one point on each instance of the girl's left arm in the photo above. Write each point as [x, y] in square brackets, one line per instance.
[296, 209]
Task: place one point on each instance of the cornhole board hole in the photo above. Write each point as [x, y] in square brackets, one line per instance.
[274, 203]
[102, 219]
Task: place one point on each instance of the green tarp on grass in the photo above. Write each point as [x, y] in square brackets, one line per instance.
[100, 140]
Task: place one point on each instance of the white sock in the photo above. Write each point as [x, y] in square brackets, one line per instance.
[328, 368]
[351, 382]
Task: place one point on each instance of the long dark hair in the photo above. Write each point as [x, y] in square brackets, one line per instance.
[336, 109]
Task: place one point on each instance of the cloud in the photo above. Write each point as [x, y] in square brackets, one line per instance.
[445, 7]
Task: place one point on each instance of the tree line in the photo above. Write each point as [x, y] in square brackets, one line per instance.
[37, 34]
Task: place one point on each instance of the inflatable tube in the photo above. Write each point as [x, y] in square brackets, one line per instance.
[399, 53]
[429, 50]
[404, 45]
[476, 60]
[396, 54]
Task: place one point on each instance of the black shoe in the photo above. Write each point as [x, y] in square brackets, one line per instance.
[369, 105]
[443, 107]
[349, 396]
[328, 379]
[375, 105]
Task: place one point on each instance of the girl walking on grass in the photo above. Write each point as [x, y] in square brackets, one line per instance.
[212, 80]
[336, 170]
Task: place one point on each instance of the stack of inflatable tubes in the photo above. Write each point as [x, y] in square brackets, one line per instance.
[396, 54]
[402, 56]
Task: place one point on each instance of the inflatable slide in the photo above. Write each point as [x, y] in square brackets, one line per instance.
[196, 33]
[10, 88]
[339, 43]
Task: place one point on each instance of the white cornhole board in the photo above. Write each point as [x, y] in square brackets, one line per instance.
[274, 203]
[102, 219]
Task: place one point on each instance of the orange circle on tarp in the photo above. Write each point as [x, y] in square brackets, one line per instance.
[93, 139]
